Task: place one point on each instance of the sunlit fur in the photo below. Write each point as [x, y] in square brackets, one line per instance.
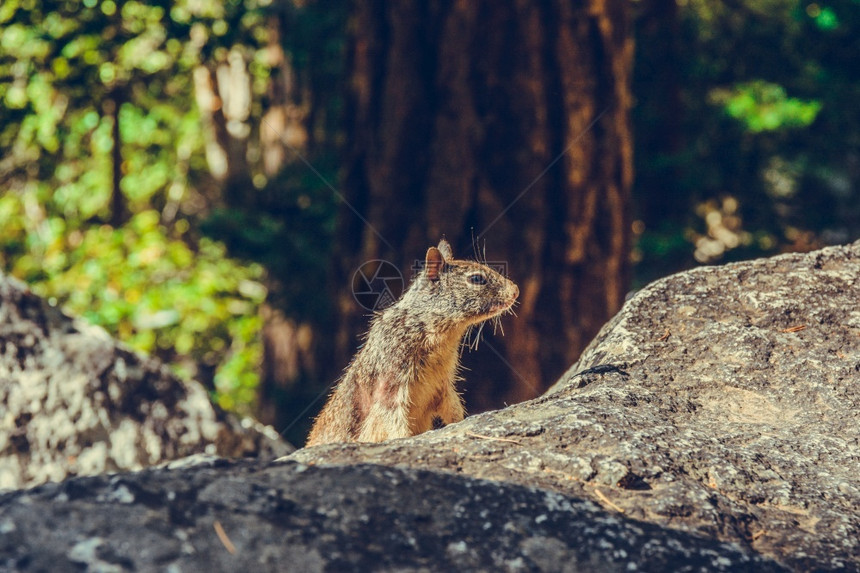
[404, 375]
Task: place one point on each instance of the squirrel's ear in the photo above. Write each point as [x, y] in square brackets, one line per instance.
[433, 263]
[445, 248]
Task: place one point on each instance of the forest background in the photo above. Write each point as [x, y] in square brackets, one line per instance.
[203, 178]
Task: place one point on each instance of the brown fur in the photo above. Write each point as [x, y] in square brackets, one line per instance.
[403, 376]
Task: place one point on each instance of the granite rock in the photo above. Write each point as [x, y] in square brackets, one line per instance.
[731, 410]
[251, 516]
[75, 402]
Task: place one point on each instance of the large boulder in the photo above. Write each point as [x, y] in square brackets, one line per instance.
[734, 413]
[75, 402]
[712, 425]
[225, 516]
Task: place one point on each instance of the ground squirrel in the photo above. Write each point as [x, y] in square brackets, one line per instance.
[402, 379]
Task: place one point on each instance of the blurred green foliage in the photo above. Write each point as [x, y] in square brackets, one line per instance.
[747, 130]
[154, 281]
[191, 307]
[763, 106]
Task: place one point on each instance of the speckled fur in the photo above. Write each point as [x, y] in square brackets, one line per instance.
[403, 376]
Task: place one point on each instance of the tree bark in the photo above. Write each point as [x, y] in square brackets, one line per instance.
[504, 122]
[119, 206]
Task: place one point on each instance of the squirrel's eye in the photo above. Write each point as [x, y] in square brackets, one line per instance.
[477, 279]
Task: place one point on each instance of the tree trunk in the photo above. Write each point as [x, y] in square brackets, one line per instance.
[506, 122]
[119, 208]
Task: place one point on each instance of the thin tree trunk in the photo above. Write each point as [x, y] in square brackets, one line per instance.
[119, 207]
[508, 122]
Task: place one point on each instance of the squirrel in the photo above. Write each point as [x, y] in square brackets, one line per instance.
[402, 378]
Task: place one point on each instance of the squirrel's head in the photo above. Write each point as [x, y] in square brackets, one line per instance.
[464, 292]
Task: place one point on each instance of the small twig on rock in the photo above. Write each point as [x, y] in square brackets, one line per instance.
[797, 328]
[492, 438]
[665, 336]
[222, 535]
[758, 534]
[606, 500]
[601, 369]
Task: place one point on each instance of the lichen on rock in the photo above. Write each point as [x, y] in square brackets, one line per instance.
[75, 402]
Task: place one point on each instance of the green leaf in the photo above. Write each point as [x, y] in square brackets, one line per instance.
[764, 106]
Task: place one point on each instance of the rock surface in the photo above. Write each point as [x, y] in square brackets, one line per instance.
[736, 415]
[293, 517]
[727, 438]
[74, 402]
